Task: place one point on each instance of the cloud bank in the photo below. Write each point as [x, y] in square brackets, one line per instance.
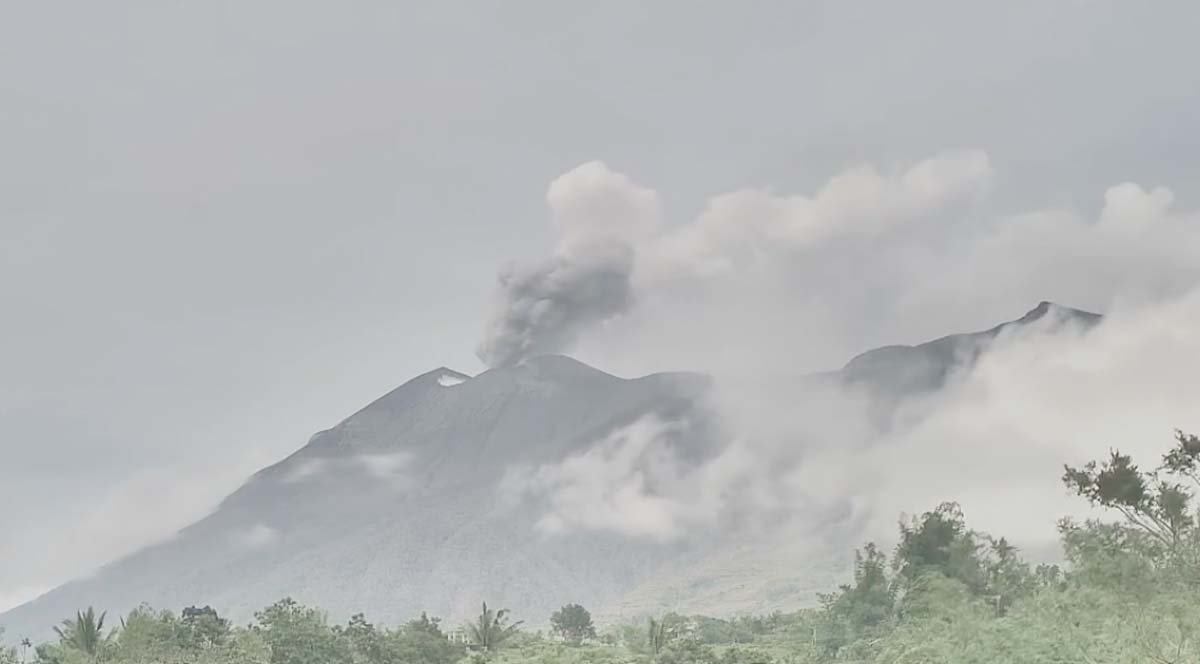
[804, 455]
[762, 289]
[874, 256]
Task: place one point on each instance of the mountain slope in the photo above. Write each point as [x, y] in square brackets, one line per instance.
[906, 369]
[400, 508]
[395, 510]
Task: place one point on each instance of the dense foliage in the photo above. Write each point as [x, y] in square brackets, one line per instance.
[573, 623]
[1128, 591]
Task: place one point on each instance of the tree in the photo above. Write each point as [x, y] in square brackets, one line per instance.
[861, 608]
[1157, 508]
[84, 633]
[426, 625]
[1009, 577]
[1151, 502]
[573, 623]
[1184, 459]
[940, 542]
[422, 641]
[9, 655]
[686, 651]
[299, 635]
[204, 625]
[366, 644]
[149, 635]
[658, 637]
[492, 629]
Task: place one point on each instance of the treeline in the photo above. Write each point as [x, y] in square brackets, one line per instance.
[1129, 591]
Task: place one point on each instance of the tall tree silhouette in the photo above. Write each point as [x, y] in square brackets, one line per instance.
[84, 633]
[492, 629]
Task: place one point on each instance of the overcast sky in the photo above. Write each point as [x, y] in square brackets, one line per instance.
[227, 225]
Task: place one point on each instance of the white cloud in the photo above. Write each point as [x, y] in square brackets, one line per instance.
[258, 536]
[997, 440]
[390, 466]
[762, 288]
[749, 226]
[305, 470]
[592, 204]
[149, 506]
[1129, 207]
[628, 482]
[613, 250]
[994, 439]
[871, 258]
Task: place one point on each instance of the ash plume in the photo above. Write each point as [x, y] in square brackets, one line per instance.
[542, 308]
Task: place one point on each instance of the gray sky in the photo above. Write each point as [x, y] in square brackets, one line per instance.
[225, 226]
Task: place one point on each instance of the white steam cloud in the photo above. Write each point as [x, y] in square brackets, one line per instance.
[613, 248]
[628, 482]
[873, 257]
[761, 290]
[993, 439]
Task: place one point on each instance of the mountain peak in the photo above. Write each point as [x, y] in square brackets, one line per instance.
[1040, 310]
[447, 377]
[560, 364]
[1060, 312]
[555, 368]
[909, 369]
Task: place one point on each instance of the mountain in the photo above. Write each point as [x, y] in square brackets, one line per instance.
[403, 507]
[906, 369]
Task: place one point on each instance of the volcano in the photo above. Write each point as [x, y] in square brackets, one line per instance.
[403, 508]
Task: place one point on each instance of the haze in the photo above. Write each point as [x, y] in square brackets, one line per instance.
[225, 227]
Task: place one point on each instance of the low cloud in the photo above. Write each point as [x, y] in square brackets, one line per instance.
[627, 482]
[164, 503]
[761, 290]
[386, 466]
[257, 536]
[804, 454]
[305, 470]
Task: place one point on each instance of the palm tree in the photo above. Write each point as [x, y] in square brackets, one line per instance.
[491, 631]
[85, 633]
[26, 644]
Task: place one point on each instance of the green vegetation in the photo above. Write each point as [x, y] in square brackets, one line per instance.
[1128, 591]
[573, 624]
[491, 630]
[85, 633]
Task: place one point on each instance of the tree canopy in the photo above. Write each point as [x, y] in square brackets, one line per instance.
[573, 623]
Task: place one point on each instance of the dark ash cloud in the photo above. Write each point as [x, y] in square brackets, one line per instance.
[543, 308]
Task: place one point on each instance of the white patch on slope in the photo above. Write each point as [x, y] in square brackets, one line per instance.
[304, 470]
[385, 466]
[624, 483]
[257, 536]
[450, 380]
